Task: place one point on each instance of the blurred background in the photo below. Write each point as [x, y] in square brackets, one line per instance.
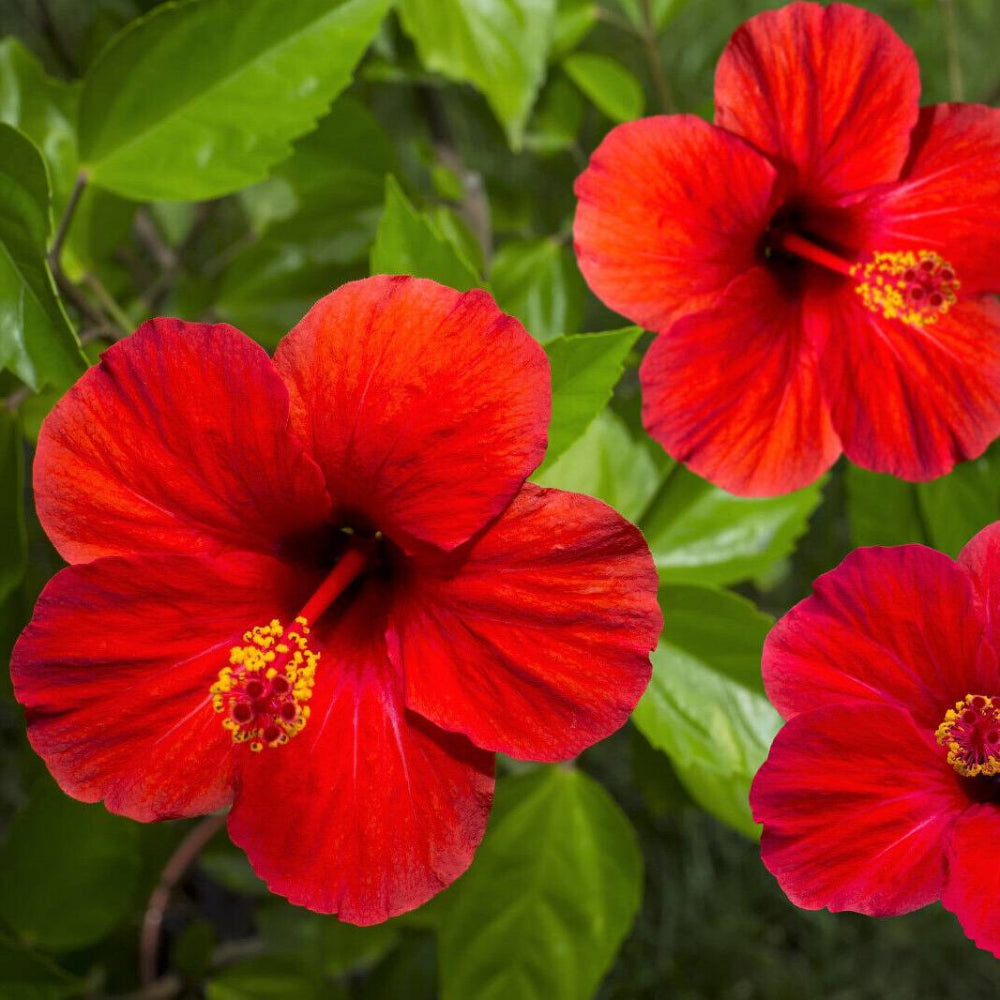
[455, 132]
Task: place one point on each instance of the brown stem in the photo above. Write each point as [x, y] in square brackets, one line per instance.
[180, 861]
[651, 43]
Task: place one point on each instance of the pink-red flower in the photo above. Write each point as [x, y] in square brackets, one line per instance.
[319, 589]
[881, 792]
[817, 263]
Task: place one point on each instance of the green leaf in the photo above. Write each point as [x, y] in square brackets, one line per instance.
[883, 510]
[705, 706]
[26, 976]
[663, 11]
[70, 870]
[538, 282]
[36, 341]
[608, 463]
[699, 533]
[612, 88]
[410, 243]
[499, 46]
[585, 370]
[574, 21]
[202, 97]
[44, 109]
[13, 539]
[553, 891]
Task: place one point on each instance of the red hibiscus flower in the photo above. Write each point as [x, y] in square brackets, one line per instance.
[881, 793]
[816, 263]
[319, 589]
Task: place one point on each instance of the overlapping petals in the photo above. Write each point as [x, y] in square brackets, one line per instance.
[177, 441]
[115, 667]
[500, 646]
[427, 409]
[373, 476]
[830, 91]
[861, 808]
[753, 422]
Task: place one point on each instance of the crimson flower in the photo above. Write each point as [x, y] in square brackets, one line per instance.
[881, 792]
[319, 589]
[816, 263]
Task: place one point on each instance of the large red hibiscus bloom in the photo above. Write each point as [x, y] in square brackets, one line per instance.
[881, 793]
[816, 263]
[319, 589]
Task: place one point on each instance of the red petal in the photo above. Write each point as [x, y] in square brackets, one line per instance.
[426, 409]
[981, 558]
[857, 805]
[973, 885]
[670, 211]
[833, 91]
[734, 393]
[537, 644]
[898, 625]
[910, 401]
[115, 668]
[177, 441]
[371, 810]
[948, 199]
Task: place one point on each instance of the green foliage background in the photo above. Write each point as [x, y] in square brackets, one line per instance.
[243, 157]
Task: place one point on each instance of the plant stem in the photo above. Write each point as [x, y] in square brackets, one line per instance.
[956, 85]
[651, 43]
[55, 251]
[179, 862]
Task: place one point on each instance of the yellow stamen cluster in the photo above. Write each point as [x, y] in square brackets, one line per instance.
[914, 286]
[970, 733]
[265, 687]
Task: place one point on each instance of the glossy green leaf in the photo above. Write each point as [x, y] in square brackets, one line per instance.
[883, 510]
[70, 870]
[585, 369]
[499, 46]
[607, 83]
[705, 706]
[36, 341]
[538, 282]
[553, 891]
[44, 109]
[183, 105]
[408, 242]
[268, 978]
[699, 533]
[13, 540]
[608, 463]
[575, 19]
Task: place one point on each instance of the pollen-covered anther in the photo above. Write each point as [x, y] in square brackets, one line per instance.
[263, 691]
[971, 735]
[915, 286]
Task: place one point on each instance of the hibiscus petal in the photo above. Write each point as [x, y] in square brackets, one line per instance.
[948, 199]
[177, 441]
[426, 409]
[537, 643]
[670, 210]
[981, 557]
[832, 91]
[897, 625]
[734, 393]
[906, 400]
[973, 884]
[857, 805]
[114, 672]
[370, 810]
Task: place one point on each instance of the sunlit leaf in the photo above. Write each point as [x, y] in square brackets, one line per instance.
[200, 98]
[705, 706]
[607, 83]
[36, 341]
[553, 890]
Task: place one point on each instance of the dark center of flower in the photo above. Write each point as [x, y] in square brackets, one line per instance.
[916, 287]
[264, 689]
[970, 733]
